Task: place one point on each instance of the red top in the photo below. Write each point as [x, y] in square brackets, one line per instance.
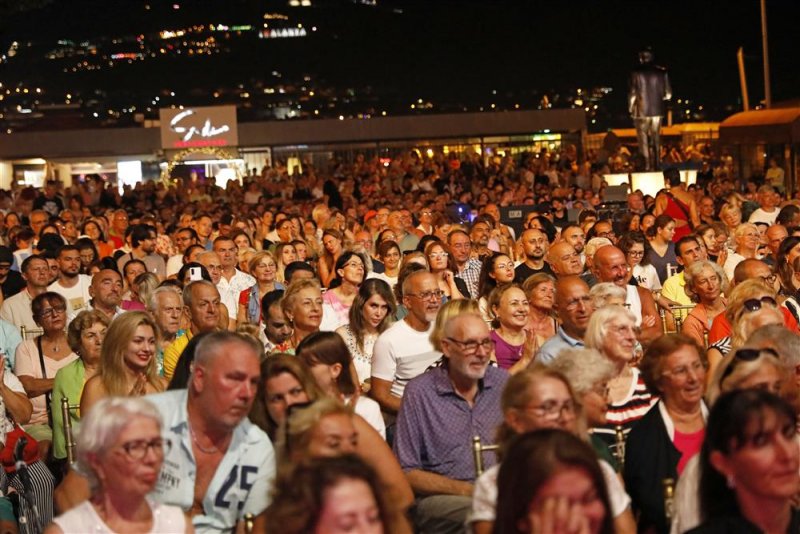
[689, 445]
[721, 327]
[674, 210]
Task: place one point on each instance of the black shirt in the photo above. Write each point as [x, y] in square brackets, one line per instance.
[740, 525]
[522, 272]
[13, 284]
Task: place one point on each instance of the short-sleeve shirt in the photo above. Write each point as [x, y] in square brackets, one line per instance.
[27, 364]
[241, 483]
[402, 353]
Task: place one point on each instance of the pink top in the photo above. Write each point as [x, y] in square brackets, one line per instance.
[689, 445]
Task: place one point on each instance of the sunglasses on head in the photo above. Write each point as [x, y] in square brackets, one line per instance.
[752, 305]
[289, 411]
[745, 355]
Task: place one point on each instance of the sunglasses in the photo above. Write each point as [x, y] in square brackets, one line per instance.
[289, 411]
[752, 305]
[745, 355]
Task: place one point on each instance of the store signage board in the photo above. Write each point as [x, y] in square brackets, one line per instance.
[198, 127]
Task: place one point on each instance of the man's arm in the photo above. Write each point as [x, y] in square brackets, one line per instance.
[427, 483]
[649, 333]
[381, 391]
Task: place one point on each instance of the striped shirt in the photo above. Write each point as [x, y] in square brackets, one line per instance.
[626, 412]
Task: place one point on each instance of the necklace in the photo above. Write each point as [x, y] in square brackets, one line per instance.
[212, 450]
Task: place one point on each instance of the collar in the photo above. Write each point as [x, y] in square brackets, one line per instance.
[569, 340]
[669, 425]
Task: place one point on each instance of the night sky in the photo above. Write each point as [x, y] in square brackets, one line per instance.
[463, 50]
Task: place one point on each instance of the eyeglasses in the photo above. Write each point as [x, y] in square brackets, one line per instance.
[291, 409]
[427, 295]
[552, 410]
[753, 305]
[744, 355]
[471, 347]
[636, 253]
[769, 279]
[682, 371]
[50, 312]
[356, 264]
[137, 449]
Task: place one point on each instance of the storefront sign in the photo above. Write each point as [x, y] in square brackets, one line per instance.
[199, 127]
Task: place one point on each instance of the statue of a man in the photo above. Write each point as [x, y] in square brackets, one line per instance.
[649, 88]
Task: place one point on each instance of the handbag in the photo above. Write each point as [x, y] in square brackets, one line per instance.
[30, 453]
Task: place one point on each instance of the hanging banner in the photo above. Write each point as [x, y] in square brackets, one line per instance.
[198, 127]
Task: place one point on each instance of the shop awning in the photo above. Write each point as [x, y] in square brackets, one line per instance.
[766, 126]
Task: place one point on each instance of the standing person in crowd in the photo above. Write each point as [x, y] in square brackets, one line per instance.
[550, 479]
[441, 411]
[403, 351]
[262, 266]
[121, 451]
[767, 211]
[336, 302]
[371, 314]
[468, 268]
[678, 203]
[612, 331]
[333, 244]
[662, 248]
[71, 284]
[514, 344]
[749, 466]
[38, 360]
[541, 290]
[672, 432]
[17, 309]
[443, 266]
[85, 337]
[127, 361]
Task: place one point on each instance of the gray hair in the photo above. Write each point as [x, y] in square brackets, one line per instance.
[785, 342]
[601, 293]
[152, 302]
[211, 346]
[103, 424]
[694, 270]
[187, 291]
[594, 244]
[743, 370]
[597, 329]
[584, 368]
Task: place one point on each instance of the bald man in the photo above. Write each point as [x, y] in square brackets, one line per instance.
[573, 306]
[609, 265]
[564, 260]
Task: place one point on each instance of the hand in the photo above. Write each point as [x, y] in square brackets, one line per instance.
[531, 345]
[723, 256]
[649, 321]
[139, 387]
[558, 516]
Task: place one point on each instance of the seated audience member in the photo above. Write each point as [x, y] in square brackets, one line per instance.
[121, 451]
[541, 291]
[275, 336]
[38, 360]
[403, 351]
[303, 307]
[689, 251]
[337, 300]
[328, 493]
[442, 410]
[297, 270]
[514, 345]
[201, 303]
[326, 354]
[750, 466]
[607, 294]
[534, 249]
[573, 307]
[706, 286]
[326, 427]
[17, 309]
[663, 441]
[106, 293]
[551, 477]
[610, 266]
[747, 238]
[85, 337]
[127, 361]
[564, 260]
[537, 399]
[165, 304]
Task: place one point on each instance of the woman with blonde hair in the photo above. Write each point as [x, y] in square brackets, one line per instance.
[285, 253]
[302, 306]
[263, 268]
[127, 361]
[751, 304]
[514, 344]
[541, 292]
[333, 246]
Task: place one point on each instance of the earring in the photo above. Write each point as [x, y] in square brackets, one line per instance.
[731, 481]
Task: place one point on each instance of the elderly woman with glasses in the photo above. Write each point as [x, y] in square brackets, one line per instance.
[705, 284]
[752, 304]
[671, 433]
[120, 449]
[38, 360]
[536, 399]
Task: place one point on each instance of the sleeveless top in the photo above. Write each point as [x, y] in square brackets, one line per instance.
[679, 211]
[83, 519]
[634, 303]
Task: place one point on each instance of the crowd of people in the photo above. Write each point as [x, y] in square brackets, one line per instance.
[372, 348]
